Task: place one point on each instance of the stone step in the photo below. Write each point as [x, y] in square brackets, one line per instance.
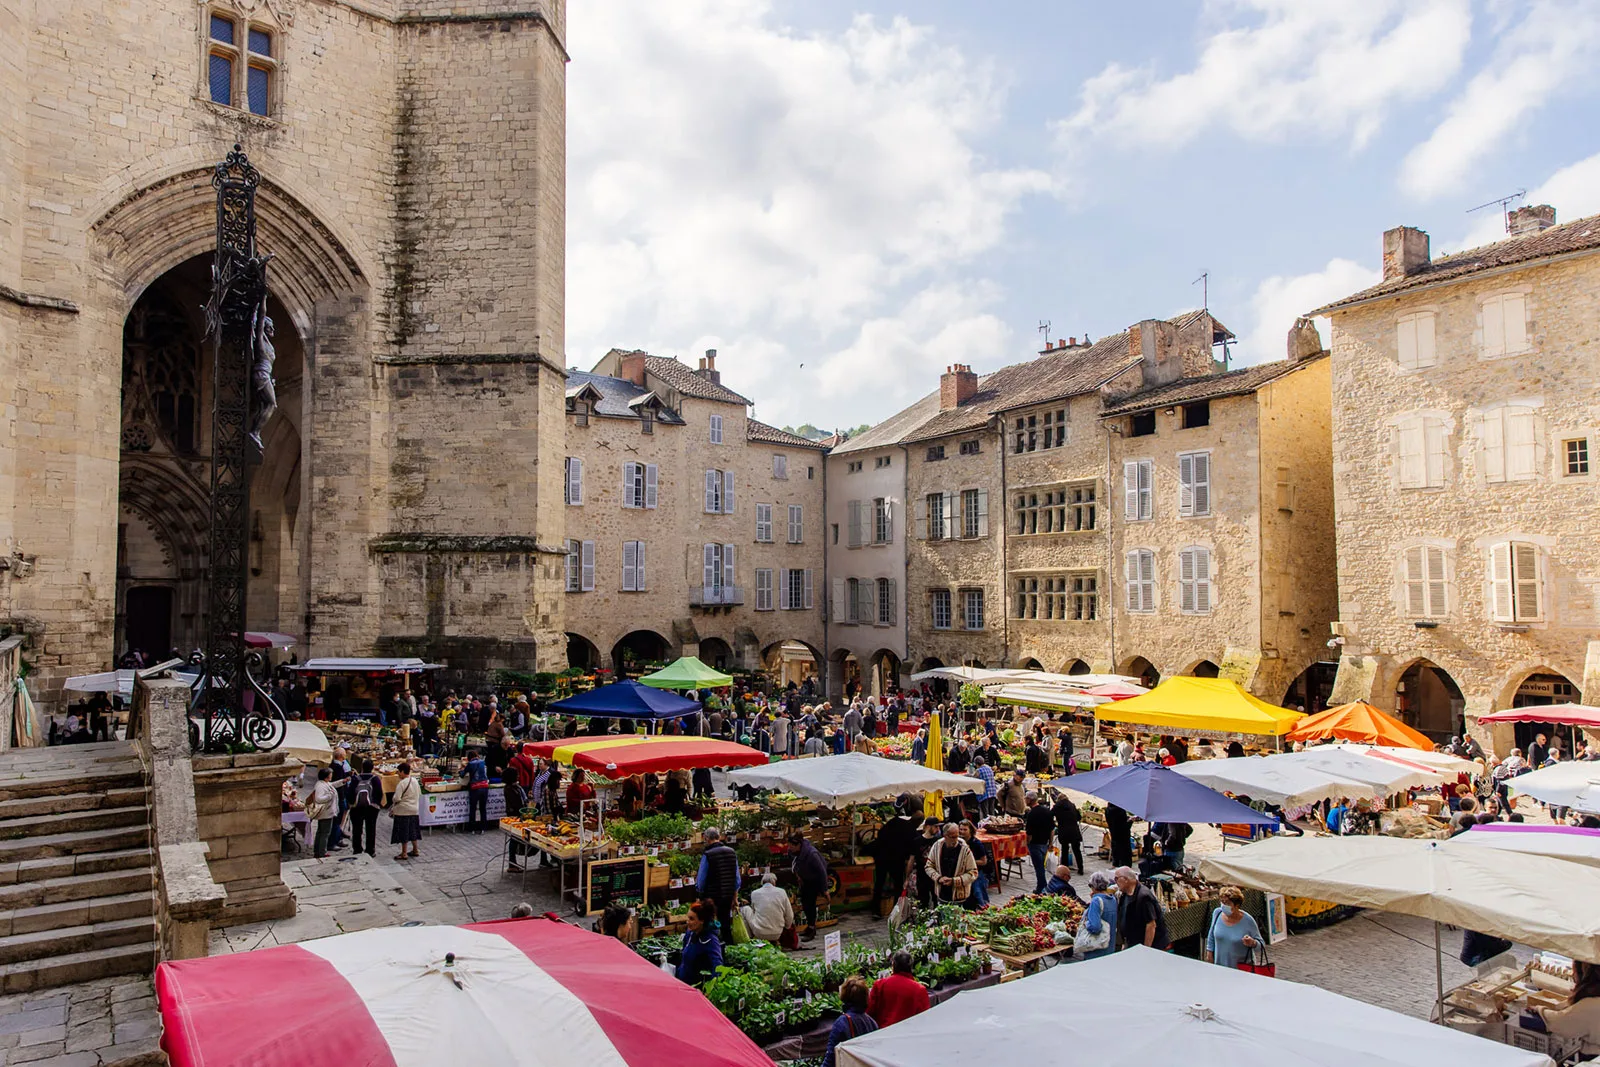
[55, 781]
[107, 798]
[75, 887]
[76, 843]
[74, 821]
[76, 913]
[28, 975]
[65, 866]
[70, 939]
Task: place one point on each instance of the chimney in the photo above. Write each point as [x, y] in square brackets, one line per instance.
[1304, 340]
[1405, 251]
[956, 386]
[632, 367]
[708, 367]
[1530, 219]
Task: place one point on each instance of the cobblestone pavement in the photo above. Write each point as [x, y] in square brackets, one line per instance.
[111, 1022]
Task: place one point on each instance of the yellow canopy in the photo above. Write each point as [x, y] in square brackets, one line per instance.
[1201, 705]
[933, 803]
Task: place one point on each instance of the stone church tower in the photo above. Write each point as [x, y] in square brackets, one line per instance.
[412, 155]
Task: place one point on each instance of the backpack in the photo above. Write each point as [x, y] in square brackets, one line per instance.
[363, 797]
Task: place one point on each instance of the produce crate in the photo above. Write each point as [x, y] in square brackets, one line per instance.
[1558, 1048]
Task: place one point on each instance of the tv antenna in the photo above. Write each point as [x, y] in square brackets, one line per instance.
[1505, 206]
[1204, 282]
[1044, 328]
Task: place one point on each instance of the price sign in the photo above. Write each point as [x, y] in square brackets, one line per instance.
[614, 879]
[832, 951]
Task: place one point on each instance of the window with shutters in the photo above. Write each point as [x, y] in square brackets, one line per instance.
[764, 522]
[1194, 484]
[579, 410]
[855, 521]
[574, 481]
[1509, 442]
[1426, 585]
[241, 62]
[1139, 579]
[797, 589]
[719, 492]
[1503, 319]
[939, 605]
[972, 609]
[886, 599]
[1516, 582]
[1414, 340]
[763, 588]
[633, 567]
[574, 570]
[882, 522]
[852, 600]
[647, 420]
[1138, 489]
[1421, 443]
[780, 467]
[716, 429]
[640, 482]
[1194, 581]
[939, 516]
[797, 524]
[974, 513]
[1575, 456]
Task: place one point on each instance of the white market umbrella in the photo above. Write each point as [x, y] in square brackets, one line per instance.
[1573, 784]
[1050, 698]
[1288, 785]
[118, 682]
[853, 778]
[1559, 842]
[1144, 1006]
[1391, 776]
[1439, 761]
[979, 675]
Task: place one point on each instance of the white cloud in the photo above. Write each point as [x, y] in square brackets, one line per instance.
[1555, 43]
[1279, 300]
[1574, 191]
[801, 197]
[1277, 67]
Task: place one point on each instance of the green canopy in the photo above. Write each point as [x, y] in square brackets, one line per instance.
[687, 672]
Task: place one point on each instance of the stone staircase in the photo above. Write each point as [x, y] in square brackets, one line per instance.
[77, 880]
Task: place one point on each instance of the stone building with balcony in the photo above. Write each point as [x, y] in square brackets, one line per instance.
[691, 528]
[1466, 404]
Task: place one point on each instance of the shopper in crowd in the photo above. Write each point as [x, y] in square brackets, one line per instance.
[1142, 919]
[1035, 758]
[343, 771]
[919, 745]
[897, 995]
[1065, 750]
[769, 912]
[718, 878]
[577, 792]
[1579, 1017]
[1013, 796]
[951, 867]
[1119, 832]
[855, 1021]
[616, 921]
[477, 775]
[1060, 884]
[983, 856]
[702, 947]
[985, 774]
[364, 795]
[891, 854]
[926, 883]
[812, 871]
[1124, 752]
[1041, 826]
[494, 736]
[322, 808]
[1233, 935]
[1069, 830]
[1101, 914]
[403, 808]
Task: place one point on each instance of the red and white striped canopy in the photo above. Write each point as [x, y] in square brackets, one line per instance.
[519, 993]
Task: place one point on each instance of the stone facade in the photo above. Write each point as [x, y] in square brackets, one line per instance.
[670, 427]
[1452, 463]
[413, 195]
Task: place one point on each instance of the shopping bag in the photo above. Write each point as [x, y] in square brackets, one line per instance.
[1260, 963]
[902, 911]
[740, 932]
[1083, 942]
[789, 939]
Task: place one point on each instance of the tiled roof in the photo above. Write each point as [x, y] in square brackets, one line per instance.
[1578, 236]
[615, 396]
[683, 378]
[892, 431]
[761, 433]
[1210, 387]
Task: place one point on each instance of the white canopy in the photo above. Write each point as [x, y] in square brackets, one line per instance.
[119, 682]
[1141, 1006]
[1441, 761]
[1049, 697]
[1389, 775]
[1290, 785]
[1543, 902]
[1574, 784]
[308, 744]
[980, 675]
[1538, 840]
[365, 665]
[853, 778]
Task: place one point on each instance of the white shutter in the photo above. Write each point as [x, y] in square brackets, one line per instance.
[1186, 581]
[838, 600]
[1514, 315]
[573, 567]
[588, 566]
[808, 588]
[716, 429]
[713, 486]
[574, 480]
[1202, 580]
[1492, 449]
[712, 566]
[1146, 488]
[650, 485]
[727, 492]
[1437, 601]
[1525, 571]
[763, 522]
[1202, 483]
[1130, 580]
[1522, 447]
[1435, 451]
[1413, 456]
[638, 566]
[1130, 489]
[728, 578]
[1406, 338]
[797, 524]
[783, 590]
[888, 521]
[630, 474]
[1186, 484]
[630, 566]
[1147, 579]
[983, 513]
[1416, 583]
[1502, 604]
[1494, 327]
[1423, 325]
[894, 601]
[853, 511]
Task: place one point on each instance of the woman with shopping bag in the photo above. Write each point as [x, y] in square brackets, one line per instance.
[1234, 935]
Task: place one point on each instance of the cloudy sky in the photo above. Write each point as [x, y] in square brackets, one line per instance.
[843, 196]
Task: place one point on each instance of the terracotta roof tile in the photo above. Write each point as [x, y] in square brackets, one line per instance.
[683, 378]
[1210, 387]
[761, 433]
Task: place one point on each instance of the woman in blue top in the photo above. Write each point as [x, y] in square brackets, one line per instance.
[1234, 933]
[1101, 913]
[854, 1022]
[702, 952]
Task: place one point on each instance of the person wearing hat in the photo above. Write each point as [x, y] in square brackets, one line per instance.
[924, 842]
[896, 843]
[1012, 796]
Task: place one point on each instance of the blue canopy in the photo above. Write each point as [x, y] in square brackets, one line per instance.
[1155, 793]
[628, 700]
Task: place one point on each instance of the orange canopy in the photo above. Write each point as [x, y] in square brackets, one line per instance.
[1361, 722]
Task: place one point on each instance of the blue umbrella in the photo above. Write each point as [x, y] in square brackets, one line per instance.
[628, 700]
[1154, 793]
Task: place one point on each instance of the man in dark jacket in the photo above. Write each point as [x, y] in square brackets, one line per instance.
[812, 870]
[1035, 758]
[718, 880]
[1068, 830]
[1041, 826]
[1119, 831]
[364, 796]
[897, 840]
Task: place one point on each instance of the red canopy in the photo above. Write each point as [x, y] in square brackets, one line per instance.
[620, 756]
[1560, 714]
[517, 993]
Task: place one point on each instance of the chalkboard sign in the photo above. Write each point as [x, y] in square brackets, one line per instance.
[613, 880]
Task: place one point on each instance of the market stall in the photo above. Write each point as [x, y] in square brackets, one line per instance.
[687, 672]
[1143, 1006]
[1576, 843]
[1214, 707]
[354, 687]
[1359, 721]
[518, 993]
[853, 778]
[1267, 779]
[631, 700]
[1574, 784]
[619, 757]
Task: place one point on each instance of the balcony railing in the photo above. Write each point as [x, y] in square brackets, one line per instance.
[703, 596]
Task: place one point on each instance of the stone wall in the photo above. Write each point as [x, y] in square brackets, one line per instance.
[239, 803]
[869, 562]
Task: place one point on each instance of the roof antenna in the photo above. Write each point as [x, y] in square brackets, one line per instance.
[1044, 328]
[1505, 206]
[1204, 282]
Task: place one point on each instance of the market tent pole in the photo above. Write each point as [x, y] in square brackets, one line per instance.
[1438, 974]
